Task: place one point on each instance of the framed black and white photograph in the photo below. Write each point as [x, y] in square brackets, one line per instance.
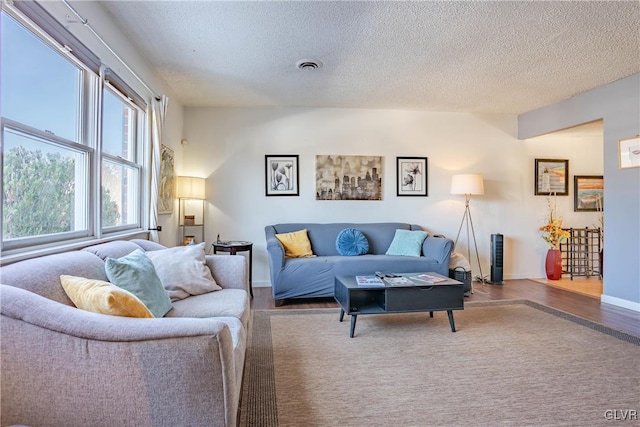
[411, 176]
[551, 177]
[281, 175]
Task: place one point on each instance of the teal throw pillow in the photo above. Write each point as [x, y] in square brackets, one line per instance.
[407, 243]
[352, 242]
[136, 274]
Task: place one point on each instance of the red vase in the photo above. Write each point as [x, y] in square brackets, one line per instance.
[553, 264]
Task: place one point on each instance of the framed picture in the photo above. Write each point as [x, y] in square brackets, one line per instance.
[588, 191]
[629, 152]
[167, 184]
[552, 177]
[411, 176]
[281, 175]
[348, 177]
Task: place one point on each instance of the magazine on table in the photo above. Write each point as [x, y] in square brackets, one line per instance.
[369, 281]
[428, 278]
[398, 281]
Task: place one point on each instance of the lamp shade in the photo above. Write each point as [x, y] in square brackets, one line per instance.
[468, 183]
[190, 187]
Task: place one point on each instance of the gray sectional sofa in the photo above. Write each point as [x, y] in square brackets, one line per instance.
[66, 366]
[315, 276]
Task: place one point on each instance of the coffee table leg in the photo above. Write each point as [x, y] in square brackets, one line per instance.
[353, 325]
[341, 314]
[451, 322]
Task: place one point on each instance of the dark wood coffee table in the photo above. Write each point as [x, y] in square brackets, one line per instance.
[421, 297]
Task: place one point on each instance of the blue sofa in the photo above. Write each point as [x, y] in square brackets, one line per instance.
[315, 276]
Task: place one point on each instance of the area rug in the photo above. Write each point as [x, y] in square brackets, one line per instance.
[509, 363]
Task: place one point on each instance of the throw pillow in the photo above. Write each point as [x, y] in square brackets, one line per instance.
[136, 274]
[407, 243]
[102, 297]
[296, 244]
[352, 242]
[183, 272]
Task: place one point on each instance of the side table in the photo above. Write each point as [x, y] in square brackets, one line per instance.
[233, 247]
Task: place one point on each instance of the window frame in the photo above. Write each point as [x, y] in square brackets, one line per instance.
[56, 141]
[137, 163]
[92, 84]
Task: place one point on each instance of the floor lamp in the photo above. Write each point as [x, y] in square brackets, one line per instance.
[468, 185]
[190, 188]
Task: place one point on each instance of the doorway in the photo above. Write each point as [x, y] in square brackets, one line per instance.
[583, 147]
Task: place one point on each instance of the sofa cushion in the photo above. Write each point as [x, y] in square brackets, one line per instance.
[323, 236]
[136, 274]
[352, 242]
[42, 275]
[115, 249]
[102, 297]
[407, 243]
[183, 272]
[296, 244]
[225, 303]
[148, 245]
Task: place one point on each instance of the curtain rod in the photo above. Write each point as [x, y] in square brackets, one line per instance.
[85, 22]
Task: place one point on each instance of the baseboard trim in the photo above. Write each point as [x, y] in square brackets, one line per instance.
[619, 302]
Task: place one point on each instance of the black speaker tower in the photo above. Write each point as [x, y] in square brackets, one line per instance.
[497, 256]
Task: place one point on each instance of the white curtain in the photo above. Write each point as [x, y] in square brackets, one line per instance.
[158, 113]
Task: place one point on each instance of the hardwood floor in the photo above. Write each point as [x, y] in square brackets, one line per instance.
[586, 307]
[590, 286]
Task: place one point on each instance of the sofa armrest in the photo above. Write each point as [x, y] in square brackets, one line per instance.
[275, 251]
[230, 272]
[438, 248]
[66, 366]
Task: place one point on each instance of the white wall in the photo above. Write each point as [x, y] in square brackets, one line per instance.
[583, 149]
[618, 103]
[228, 146]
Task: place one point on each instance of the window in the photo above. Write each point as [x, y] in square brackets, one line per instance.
[61, 179]
[40, 194]
[120, 172]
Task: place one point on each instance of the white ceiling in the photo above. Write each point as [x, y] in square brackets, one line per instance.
[479, 57]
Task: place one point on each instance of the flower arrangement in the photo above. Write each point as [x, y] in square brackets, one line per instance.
[553, 232]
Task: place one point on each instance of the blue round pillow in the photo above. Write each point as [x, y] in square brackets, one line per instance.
[352, 242]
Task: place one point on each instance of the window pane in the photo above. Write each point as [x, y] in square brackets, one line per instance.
[44, 187]
[40, 87]
[118, 127]
[120, 205]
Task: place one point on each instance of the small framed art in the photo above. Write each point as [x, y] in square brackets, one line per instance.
[281, 175]
[551, 177]
[167, 185]
[629, 152]
[588, 192]
[411, 176]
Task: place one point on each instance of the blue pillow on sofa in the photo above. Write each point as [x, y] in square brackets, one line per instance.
[352, 242]
[136, 274]
[407, 243]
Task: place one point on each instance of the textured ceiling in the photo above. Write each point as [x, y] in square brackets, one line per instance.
[478, 57]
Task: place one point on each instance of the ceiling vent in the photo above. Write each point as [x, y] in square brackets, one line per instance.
[308, 64]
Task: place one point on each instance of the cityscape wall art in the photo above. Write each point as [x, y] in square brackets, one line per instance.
[348, 177]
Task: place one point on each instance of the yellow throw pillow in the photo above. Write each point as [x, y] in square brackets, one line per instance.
[102, 297]
[296, 244]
